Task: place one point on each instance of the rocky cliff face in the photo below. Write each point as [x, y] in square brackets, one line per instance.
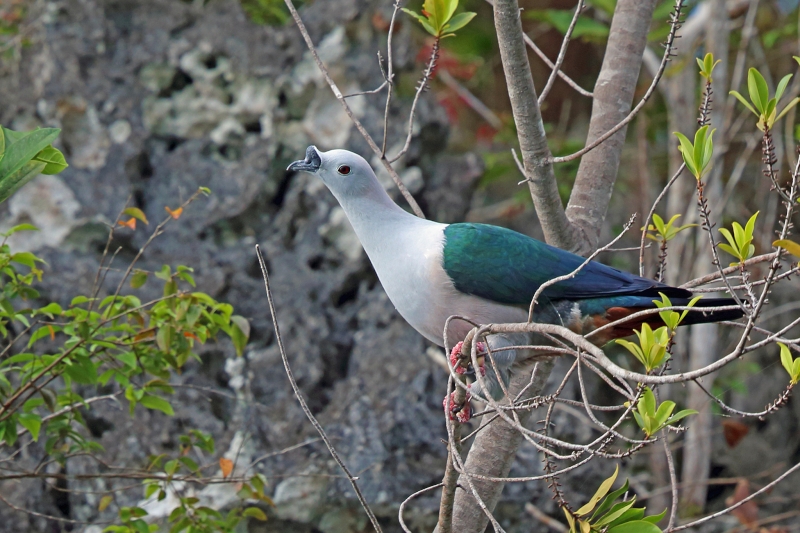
[156, 98]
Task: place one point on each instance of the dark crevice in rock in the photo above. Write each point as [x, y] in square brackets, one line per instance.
[179, 81]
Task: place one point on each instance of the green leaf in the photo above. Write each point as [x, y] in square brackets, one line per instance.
[255, 512]
[743, 101]
[680, 415]
[788, 107]
[782, 86]
[459, 21]
[24, 148]
[240, 333]
[759, 91]
[655, 519]
[787, 362]
[26, 258]
[608, 501]
[687, 151]
[136, 213]
[636, 526]
[53, 159]
[9, 184]
[615, 512]
[105, 501]
[159, 404]
[20, 227]
[2, 143]
[32, 423]
[790, 246]
[605, 486]
[138, 279]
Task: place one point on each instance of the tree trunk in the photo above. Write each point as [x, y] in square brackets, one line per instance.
[613, 95]
[492, 454]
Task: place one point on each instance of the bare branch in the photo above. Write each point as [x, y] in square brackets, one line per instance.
[359, 126]
[562, 52]
[299, 395]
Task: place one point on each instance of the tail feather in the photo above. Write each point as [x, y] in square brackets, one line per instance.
[703, 317]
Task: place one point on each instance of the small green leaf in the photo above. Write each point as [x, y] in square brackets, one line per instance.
[788, 107]
[788, 363]
[459, 21]
[159, 404]
[255, 512]
[782, 86]
[138, 279]
[741, 99]
[759, 91]
[105, 501]
[680, 415]
[136, 213]
[53, 159]
[32, 423]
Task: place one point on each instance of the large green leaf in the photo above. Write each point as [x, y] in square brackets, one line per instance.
[11, 183]
[24, 147]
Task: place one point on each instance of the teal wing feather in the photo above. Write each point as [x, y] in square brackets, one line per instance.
[508, 267]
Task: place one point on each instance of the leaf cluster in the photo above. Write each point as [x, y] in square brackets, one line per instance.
[764, 107]
[439, 19]
[25, 155]
[707, 65]
[652, 417]
[611, 515]
[697, 155]
[665, 231]
[740, 242]
[652, 348]
[673, 319]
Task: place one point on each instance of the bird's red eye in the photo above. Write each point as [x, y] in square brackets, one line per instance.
[343, 170]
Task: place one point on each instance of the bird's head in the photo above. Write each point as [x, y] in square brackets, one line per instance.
[343, 172]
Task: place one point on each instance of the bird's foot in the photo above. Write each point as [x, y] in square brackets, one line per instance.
[462, 412]
[456, 359]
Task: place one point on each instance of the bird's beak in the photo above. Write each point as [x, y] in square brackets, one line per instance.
[311, 163]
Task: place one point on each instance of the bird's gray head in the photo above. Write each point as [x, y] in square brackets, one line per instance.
[344, 173]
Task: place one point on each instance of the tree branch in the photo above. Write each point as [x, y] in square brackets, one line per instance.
[536, 154]
[613, 96]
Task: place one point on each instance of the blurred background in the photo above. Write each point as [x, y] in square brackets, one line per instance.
[158, 97]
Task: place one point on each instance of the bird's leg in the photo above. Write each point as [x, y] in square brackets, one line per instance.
[462, 412]
[461, 361]
[462, 365]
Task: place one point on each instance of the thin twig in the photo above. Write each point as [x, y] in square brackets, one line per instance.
[562, 52]
[668, 52]
[299, 395]
[359, 126]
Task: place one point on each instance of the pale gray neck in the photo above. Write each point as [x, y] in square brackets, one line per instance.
[374, 216]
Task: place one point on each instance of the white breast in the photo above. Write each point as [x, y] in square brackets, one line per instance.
[410, 268]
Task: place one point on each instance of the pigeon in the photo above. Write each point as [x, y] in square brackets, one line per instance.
[487, 274]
